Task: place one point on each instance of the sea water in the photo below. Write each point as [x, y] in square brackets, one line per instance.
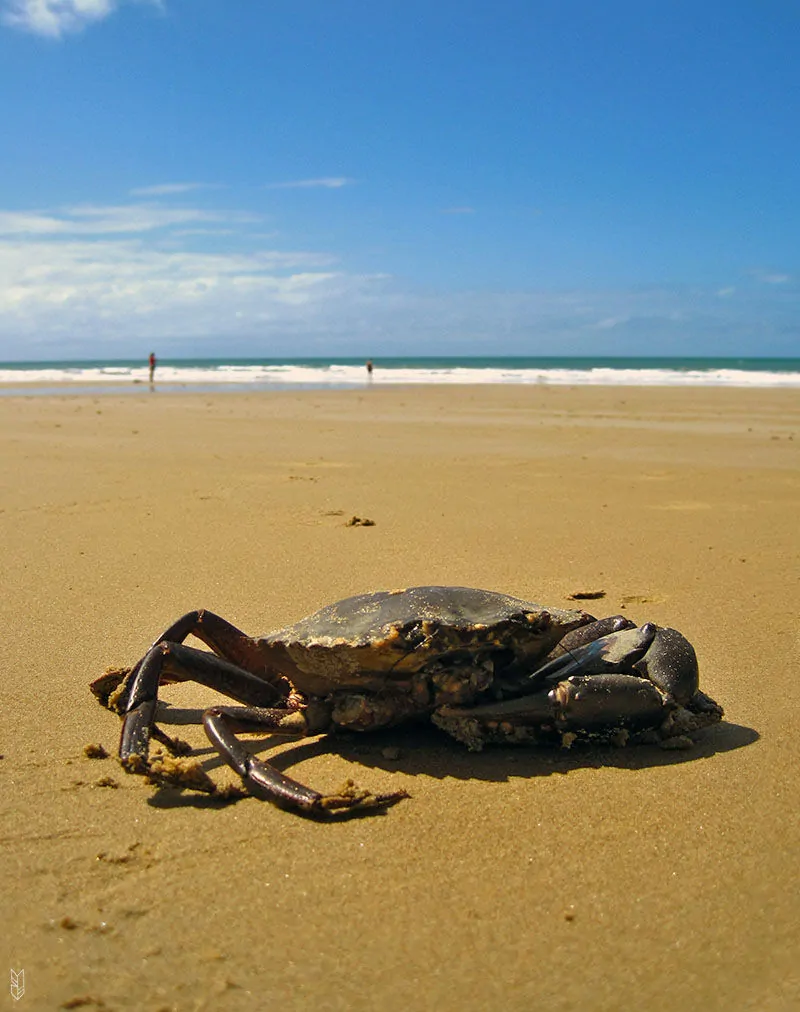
[267, 373]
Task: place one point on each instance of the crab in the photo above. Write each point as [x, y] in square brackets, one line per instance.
[482, 666]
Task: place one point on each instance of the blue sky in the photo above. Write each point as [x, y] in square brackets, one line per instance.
[369, 177]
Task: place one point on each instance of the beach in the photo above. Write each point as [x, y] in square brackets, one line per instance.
[592, 878]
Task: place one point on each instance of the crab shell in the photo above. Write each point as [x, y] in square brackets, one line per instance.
[378, 642]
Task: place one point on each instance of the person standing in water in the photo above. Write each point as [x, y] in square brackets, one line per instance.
[369, 368]
[152, 363]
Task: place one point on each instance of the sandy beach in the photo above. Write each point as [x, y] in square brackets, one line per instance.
[591, 878]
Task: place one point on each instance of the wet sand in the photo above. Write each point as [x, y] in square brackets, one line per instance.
[591, 878]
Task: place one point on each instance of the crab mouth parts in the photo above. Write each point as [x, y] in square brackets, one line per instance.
[461, 677]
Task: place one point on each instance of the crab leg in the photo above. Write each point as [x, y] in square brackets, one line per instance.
[224, 639]
[262, 779]
[183, 663]
[175, 660]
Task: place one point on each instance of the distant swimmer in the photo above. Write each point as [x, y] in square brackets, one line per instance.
[369, 368]
[152, 362]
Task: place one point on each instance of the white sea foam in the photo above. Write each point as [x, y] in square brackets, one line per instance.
[297, 375]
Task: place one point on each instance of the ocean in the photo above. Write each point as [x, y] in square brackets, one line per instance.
[297, 373]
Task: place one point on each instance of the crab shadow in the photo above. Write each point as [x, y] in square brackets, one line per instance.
[425, 751]
[428, 752]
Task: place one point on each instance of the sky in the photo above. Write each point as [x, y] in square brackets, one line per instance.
[399, 177]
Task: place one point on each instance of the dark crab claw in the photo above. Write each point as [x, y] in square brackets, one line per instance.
[618, 652]
[589, 633]
[590, 701]
[670, 663]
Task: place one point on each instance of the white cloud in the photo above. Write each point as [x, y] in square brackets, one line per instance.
[78, 287]
[611, 321]
[169, 189]
[769, 277]
[458, 210]
[327, 182]
[204, 231]
[91, 219]
[54, 18]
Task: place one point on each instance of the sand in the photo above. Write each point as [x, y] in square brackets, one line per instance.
[512, 879]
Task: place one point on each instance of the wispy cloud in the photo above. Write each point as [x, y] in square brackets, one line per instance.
[205, 231]
[170, 189]
[55, 18]
[770, 277]
[326, 182]
[610, 322]
[458, 210]
[91, 219]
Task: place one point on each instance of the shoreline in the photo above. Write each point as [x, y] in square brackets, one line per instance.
[127, 387]
[108, 386]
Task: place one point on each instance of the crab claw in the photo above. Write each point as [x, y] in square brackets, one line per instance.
[589, 633]
[670, 663]
[605, 699]
[618, 653]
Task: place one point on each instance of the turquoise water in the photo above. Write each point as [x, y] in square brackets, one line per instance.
[425, 362]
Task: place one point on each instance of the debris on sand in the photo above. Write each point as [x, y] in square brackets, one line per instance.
[360, 522]
[177, 771]
[94, 751]
[110, 687]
